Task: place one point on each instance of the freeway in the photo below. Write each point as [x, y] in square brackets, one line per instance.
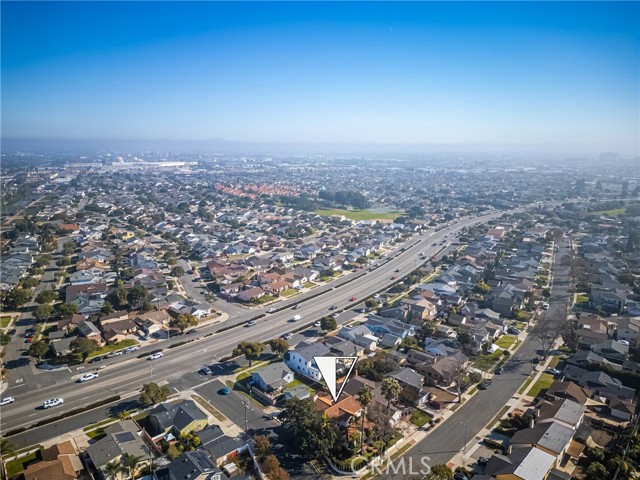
[441, 445]
[126, 377]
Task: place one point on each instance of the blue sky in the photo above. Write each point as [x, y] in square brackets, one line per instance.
[556, 75]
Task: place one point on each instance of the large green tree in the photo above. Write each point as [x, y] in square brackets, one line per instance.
[43, 312]
[315, 435]
[153, 393]
[279, 346]
[38, 349]
[184, 321]
[84, 346]
[250, 350]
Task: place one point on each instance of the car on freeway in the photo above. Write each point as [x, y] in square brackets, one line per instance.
[552, 371]
[251, 323]
[353, 299]
[295, 318]
[53, 402]
[7, 400]
[397, 270]
[297, 306]
[155, 356]
[271, 310]
[131, 349]
[333, 307]
[433, 244]
[87, 376]
[224, 391]
[287, 336]
[394, 277]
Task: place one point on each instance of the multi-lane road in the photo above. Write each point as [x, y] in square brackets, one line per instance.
[124, 376]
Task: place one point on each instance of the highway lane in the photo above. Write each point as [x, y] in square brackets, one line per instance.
[126, 377]
[443, 443]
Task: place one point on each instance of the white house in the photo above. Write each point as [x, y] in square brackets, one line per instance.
[301, 359]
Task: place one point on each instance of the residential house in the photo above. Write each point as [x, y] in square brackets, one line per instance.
[59, 462]
[194, 465]
[179, 417]
[273, 377]
[221, 447]
[250, 294]
[62, 346]
[120, 439]
[301, 359]
[612, 350]
[444, 370]
[410, 379]
[628, 329]
[89, 330]
[153, 321]
[360, 335]
[599, 382]
[553, 438]
[344, 411]
[529, 463]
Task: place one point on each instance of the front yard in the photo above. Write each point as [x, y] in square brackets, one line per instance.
[113, 347]
[4, 321]
[543, 383]
[420, 419]
[506, 341]
[485, 362]
[288, 292]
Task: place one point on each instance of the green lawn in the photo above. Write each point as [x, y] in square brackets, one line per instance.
[582, 299]
[15, 467]
[263, 299]
[309, 285]
[360, 214]
[114, 346]
[616, 212]
[96, 434]
[420, 419]
[485, 362]
[4, 321]
[288, 292]
[543, 383]
[506, 341]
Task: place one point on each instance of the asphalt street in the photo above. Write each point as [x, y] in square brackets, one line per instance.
[125, 375]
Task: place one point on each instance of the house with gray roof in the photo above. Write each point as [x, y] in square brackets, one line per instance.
[273, 377]
[182, 416]
[121, 439]
[553, 438]
[301, 359]
[410, 379]
[62, 346]
[195, 465]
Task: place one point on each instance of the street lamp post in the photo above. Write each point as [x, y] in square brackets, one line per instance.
[466, 425]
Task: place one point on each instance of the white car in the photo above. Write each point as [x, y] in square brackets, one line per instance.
[377, 295]
[131, 349]
[271, 310]
[155, 356]
[317, 324]
[251, 323]
[54, 402]
[295, 318]
[7, 400]
[335, 315]
[287, 336]
[87, 376]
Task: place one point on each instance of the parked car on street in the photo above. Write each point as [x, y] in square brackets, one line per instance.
[7, 400]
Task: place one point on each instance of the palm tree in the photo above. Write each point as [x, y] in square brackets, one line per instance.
[6, 447]
[130, 464]
[112, 469]
[364, 397]
[391, 390]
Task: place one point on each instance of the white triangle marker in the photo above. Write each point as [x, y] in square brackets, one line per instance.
[327, 367]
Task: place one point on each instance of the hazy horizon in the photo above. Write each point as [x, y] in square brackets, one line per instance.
[559, 78]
